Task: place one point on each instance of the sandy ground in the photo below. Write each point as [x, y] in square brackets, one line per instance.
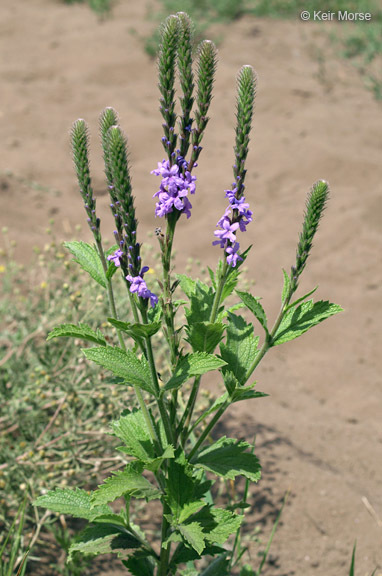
[319, 434]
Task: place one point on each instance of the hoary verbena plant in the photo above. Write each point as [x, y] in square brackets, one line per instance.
[172, 458]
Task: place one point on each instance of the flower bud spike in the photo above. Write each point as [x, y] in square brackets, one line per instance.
[315, 206]
[107, 119]
[166, 69]
[117, 150]
[246, 90]
[207, 61]
[185, 41]
[80, 146]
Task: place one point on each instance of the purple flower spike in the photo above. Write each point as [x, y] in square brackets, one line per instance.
[237, 215]
[116, 257]
[177, 182]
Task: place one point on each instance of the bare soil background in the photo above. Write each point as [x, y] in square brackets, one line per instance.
[319, 434]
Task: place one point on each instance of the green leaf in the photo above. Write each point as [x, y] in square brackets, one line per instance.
[303, 317]
[301, 299]
[103, 539]
[218, 567]
[88, 258]
[205, 336]
[137, 330]
[246, 393]
[190, 509]
[82, 331]
[182, 488]
[131, 428]
[247, 571]
[193, 535]
[218, 524]
[286, 287]
[193, 365]
[111, 270]
[125, 364]
[139, 564]
[241, 347]
[253, 304]
[201, 302]
[125, 482]
[228, 458]
[75, 502]
[187, 284]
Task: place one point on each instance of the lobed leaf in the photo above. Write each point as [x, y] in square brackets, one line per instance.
[82, 331]
[88, 258]
[228, 458]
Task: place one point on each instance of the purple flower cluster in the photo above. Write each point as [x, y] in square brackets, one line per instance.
[137, 284]
[236, 216]
[176, 183]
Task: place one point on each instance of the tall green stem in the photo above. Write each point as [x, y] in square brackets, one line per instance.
[160, 402]
[113, 310]
[165, 552]
[183, 427]
[168, 308]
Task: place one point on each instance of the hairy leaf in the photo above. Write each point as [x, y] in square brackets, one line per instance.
[253, 304]
[286, 287]
[201, 302]
[218, 567]
[82, 331]
[193, 534]
[103, 539]
[205, 336]
[132, 429]
[303, 317]
[240, 348]
[193, 365]
[88, 258]
[137, 330]
[187, 284]
[140, 565]
[128, 481]
[74, 502]
[218, 524]
[228, 458]
[123, 363]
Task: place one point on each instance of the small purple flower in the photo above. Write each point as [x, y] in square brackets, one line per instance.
[233, 256]
[116, 257]
[228, 230]
[138, 285]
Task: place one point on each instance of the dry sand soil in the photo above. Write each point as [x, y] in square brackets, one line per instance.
[319, 433]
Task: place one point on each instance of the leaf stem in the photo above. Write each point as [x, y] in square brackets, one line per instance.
[208, 429]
